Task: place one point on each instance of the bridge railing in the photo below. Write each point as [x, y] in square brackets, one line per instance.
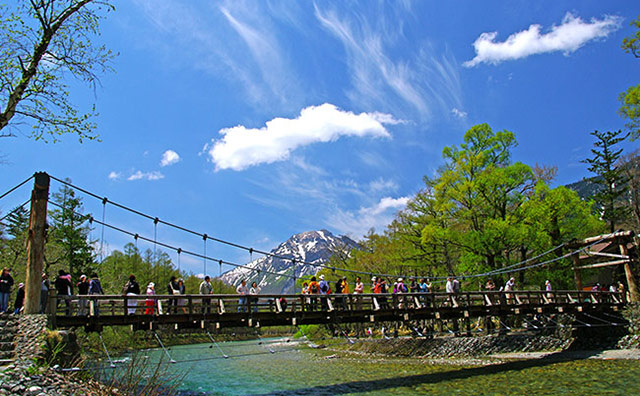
[197, 304]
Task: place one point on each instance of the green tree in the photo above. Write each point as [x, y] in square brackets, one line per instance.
[610, 176]
[42, 43]
[479, 192]
[630, 99]
[13, 248]
[68, 244]
[556, 216]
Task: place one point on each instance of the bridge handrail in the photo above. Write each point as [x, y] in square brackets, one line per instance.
[299, 295]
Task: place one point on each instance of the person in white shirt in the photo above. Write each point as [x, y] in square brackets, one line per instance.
[449, 286]
[242, 290]
[254, 291]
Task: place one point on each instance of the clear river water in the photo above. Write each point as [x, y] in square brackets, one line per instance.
[281, 368]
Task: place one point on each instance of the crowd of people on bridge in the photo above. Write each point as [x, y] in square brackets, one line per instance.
[317, 289]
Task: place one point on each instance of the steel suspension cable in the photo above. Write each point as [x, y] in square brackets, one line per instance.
[269, 254]
[16, 187]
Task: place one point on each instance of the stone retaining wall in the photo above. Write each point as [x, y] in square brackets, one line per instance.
[28, 377]
[459, 346]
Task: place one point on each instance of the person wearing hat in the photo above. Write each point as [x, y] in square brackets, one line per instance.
[324, 289]
[19, 299]
[150, 302]
[399, 287]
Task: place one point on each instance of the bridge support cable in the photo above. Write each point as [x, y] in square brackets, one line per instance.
[167, 246]
[318, 265]
[615, 316]
[17, 186]
[601, 320]
[204, 242]
[261, 342]
[163, 348]
[213, 340]
[15, 209]
[104, 212]
[584, 323]
[111, 364]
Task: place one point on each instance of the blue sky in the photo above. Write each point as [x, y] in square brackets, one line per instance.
[254, 120]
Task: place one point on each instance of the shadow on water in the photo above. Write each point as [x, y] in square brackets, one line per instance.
[434, 378]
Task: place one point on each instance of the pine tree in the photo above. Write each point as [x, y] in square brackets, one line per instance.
[69, 243]
[603, 164]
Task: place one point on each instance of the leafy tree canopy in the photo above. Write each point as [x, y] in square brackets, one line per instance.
[41, 44]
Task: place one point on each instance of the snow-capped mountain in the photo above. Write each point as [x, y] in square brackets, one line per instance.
[312, 247]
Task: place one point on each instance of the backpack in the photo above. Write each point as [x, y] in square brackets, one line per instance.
[314, 288]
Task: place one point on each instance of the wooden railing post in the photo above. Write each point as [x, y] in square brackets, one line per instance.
[35, 242]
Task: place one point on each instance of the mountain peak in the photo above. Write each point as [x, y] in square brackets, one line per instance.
[306, 248]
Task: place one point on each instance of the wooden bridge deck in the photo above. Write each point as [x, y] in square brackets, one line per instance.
[184, 311]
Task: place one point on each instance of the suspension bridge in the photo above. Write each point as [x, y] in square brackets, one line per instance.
[225, 311]
[199, 311]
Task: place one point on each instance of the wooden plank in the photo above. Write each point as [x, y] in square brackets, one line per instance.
[606, 264]
[603, 254]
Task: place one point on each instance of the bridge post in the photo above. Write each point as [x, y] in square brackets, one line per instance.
[576, 271]
[35, 242]
[631, 280]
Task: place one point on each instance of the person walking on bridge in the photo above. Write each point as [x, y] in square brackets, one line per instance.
[83, 290]
[242, 290]
[173, 289]
[206, 288]
[95, 288]
[64, 288]
[324, 290]
[150, 302]
[314, 289]
[132, 288]
[254, 291]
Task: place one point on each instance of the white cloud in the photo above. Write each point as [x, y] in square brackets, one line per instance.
[169, 157]
[458, 113]
[114, 175]
[568, 37]
[139, 175]
[243, 147]
[377, 216]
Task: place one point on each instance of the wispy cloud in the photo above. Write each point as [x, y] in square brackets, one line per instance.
[458, 113]
[423, 81]
[375, 217]
[242, 147]
[139, 175]
[381, 185]
[567, 37]
[113, 175]
[230, 40]
[169, 157]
